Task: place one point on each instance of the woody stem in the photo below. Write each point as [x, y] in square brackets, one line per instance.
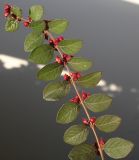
[77, 92]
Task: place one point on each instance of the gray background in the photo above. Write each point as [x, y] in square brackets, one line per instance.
[110, 30]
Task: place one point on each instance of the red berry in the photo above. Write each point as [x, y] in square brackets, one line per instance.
[26, 23]
[85, 121]
[68, 58]
[78, 75]
[7, 6]
[92, 120]
[72, 100]
[55, 42]
[61, 38]
[6, 14]
[50, 41]
[66, 77]
[74, 76]
[84, 95]
[58, 60]
[75, 99]
[64, 55]
[101, 142]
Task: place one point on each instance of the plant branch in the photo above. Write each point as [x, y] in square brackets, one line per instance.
[77, 92]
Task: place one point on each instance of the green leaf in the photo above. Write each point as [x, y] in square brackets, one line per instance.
[36, 12]
[50, 72]
[67, 113]
[58, 26]
[11, 25]
[98, 102]
[79, 64]
[82, 152]
[108, 123]
[33, 40]
[90, 80]
[42, 54]
[38, 25]
[54, 91]
[118, 148]
[17, 11]
[76, 134]
[70, 46]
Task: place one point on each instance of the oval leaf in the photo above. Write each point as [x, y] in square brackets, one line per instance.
[79, 64]
[76, 134]
[98, 102]
[108, 123]
[70, 46]
[82, 152]
[67, 113]
[90, 80]
[58, 26]
[11, 25]
[38, 25]
[42, 54]
[36, 12]
[16, 11]
[54, 91]
[33, 40]
[50, 72]
[118, 147]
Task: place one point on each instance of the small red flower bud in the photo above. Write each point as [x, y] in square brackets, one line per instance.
[66, 77]
[7, 6]
[68, 58]
[84, 95]
[101, 142]
[64, 55]
[72, 100]
[75, 99]
[55, 42]
[85, 121]
[61, 38]
[6, 14]
[58, 60]
[50, 41]
[92, 120]
[78, 75]
[26, 23]
[74, 76]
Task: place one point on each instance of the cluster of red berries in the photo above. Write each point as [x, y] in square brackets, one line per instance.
[7, 10]
[27, 22]
[75, 75]
[56, 41]
[90, 121]
[76, 99]
[64, 59]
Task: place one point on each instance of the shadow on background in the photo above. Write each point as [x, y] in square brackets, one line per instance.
[110, 29]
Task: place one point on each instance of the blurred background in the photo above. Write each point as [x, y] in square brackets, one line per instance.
[110, 31]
